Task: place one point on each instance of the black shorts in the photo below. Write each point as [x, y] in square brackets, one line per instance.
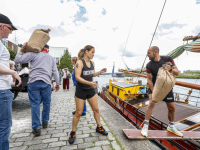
[84, 93]
[168, 98]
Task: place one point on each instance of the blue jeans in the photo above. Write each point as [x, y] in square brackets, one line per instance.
[60, 78]
[84, 108]
[37, 91]
[6, 98]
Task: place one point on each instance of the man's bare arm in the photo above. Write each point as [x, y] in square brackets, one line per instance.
[149, 81]
[175, 70]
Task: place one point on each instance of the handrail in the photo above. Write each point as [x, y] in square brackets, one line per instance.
[180, 83]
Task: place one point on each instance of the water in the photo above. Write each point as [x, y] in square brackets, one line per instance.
[193, 99]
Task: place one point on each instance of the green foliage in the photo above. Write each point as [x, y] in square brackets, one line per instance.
[20, 45]
[65, 61]
[189, 75]
[12, 53]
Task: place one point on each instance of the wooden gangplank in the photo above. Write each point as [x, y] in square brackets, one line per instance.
[161, 135]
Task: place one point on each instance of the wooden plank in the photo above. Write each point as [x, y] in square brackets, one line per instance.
[161, 134]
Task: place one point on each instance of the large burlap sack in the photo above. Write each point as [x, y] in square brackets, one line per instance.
[38, 40]
[165, 81]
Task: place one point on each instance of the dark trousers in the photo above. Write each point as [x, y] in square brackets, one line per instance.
[65, 83]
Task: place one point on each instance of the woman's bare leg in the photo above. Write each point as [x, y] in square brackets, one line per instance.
[79, 110]
[94, 104]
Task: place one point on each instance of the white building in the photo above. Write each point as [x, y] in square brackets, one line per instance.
[57, 52]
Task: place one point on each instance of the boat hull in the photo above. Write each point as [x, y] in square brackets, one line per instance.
[135, 116]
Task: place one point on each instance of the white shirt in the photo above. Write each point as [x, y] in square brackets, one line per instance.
[25, 70]
[4, 62]
[65, 75]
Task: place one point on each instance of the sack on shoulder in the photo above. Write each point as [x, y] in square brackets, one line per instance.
[38, 40]
[165, 81]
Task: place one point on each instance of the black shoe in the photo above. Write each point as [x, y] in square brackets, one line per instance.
[72, 137]
[45, 124]
[73, 112]
[101, 130]
[83, 114]
[36, 132]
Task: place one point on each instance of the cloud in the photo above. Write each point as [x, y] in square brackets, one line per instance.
[162, 33]
[106, 25]
[114, 29]
[55, 31]
[104, 12]
[197, 30]
[168, 28]
[130, 54]
[127, 53]
[80, 15]
[74, 0]
[170, 25]
[100, 57]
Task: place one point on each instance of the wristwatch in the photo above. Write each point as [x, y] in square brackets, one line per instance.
[170, 70]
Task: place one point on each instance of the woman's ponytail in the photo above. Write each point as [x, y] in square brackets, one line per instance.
[81, 54]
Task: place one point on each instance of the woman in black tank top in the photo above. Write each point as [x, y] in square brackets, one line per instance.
[84, 73]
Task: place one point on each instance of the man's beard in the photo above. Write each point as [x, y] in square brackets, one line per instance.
[152, 58]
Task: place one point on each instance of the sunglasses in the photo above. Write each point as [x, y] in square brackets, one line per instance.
[8, 27]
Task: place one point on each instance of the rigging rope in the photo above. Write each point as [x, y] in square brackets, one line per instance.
[128, 36]
[154, 34]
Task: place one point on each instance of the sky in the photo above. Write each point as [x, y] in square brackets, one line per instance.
[116, 28]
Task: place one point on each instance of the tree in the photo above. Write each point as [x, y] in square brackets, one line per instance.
[20, 45]
[65, 61]
[12, 53]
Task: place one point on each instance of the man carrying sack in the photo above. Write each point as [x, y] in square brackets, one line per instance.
[156, 62]
[39, 84]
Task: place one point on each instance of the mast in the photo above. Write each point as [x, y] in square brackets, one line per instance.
[180, 83]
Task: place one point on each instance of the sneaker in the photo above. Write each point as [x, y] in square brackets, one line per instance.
[101, 130]
[45, 124]
[73, 112]
[72, 137]
[174, 130]
[144, 131]
[83, 114]
[36, 132]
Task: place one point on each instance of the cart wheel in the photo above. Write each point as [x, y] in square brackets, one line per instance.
[15, 94]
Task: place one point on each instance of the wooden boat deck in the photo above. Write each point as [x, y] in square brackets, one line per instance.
[182, 111]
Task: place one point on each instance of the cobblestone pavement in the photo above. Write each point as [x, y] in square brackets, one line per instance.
[56, 136]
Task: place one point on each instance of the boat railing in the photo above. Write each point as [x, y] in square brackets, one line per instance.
[187, 98]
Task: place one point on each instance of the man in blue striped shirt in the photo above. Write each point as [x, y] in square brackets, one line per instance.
[42, 66]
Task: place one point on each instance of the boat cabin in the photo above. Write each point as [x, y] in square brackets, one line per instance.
[126, 90]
